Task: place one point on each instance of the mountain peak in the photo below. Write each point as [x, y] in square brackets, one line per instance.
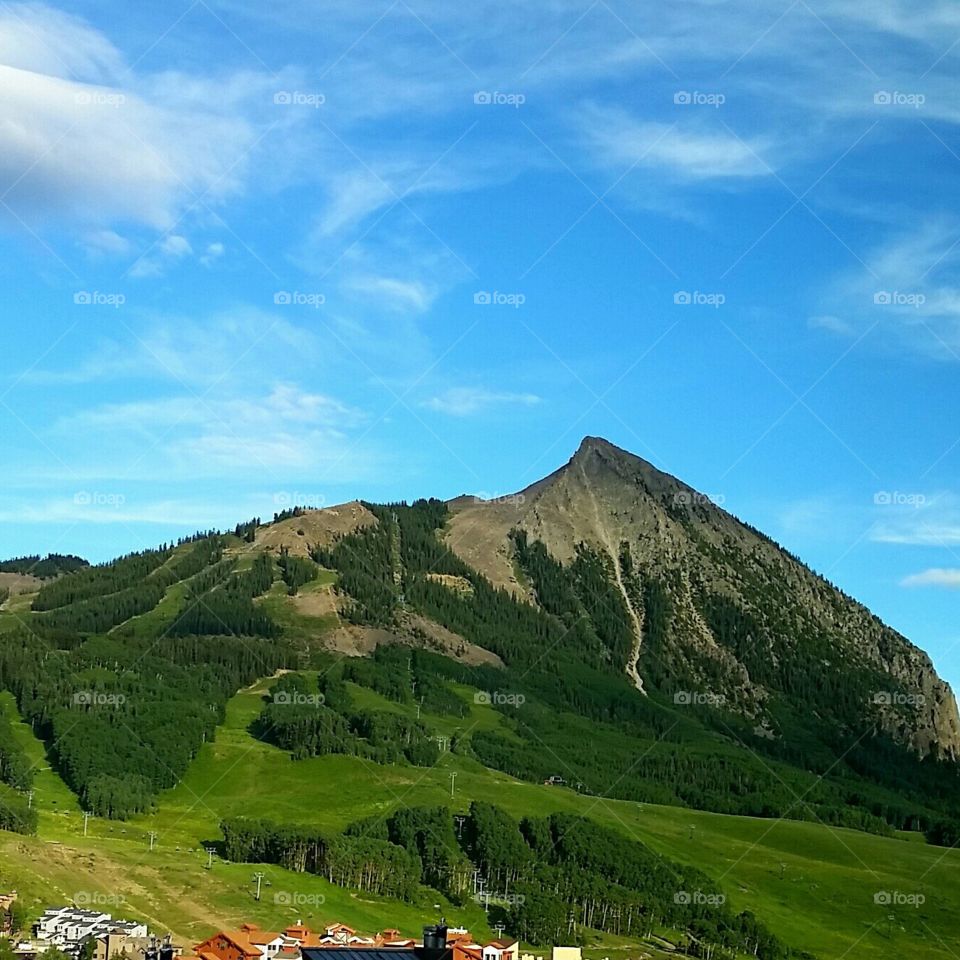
[597, 456]
[590, 445]
[730, 601]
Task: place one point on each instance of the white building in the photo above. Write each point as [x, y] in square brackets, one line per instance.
[67, 928]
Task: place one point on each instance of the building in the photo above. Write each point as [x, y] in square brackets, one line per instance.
[116, 944]
[68, 928]
[501, 950]
[228, 945]
[252, 943]
[434, 947]
[337, 941]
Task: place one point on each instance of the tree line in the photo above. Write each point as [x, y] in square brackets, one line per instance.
[355, 862]
[550, 879]
[568, 652]
[124, 718]
[314, 722]
[227, 606]
[296, 571]
[95, 599]
[43, 568]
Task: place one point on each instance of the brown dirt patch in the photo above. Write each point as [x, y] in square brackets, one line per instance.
[319, 602]
[18, 583]
[415, 630]
[460, 584]
[319, 527]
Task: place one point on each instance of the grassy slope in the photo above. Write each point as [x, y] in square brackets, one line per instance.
[814, 886]
[824, 902]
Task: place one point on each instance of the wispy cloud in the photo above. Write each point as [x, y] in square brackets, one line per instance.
[466, 401]
[198, 351]
[691, 151]
[916, 519]
[86, 139]
[832, 324]
[284, 432]
[934, 577]
[908, 287]
[392, 292]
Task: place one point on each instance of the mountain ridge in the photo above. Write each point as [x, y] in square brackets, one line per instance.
[605, 496]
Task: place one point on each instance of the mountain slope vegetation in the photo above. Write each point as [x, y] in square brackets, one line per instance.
[623, 635]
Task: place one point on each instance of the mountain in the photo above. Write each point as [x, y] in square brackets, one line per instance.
[608, 646]
[606, 635]
[745, 614]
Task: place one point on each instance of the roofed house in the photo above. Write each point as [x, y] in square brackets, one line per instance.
[501, 950]
[434, 947]
[228, 946]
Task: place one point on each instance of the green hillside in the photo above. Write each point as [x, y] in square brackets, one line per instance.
[815, 886]
[121, 693]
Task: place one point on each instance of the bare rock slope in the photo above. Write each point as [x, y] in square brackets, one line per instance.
[605, 497]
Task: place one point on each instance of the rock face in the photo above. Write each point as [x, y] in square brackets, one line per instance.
[606, 497]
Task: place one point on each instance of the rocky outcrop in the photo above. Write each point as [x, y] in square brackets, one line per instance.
[606, 497]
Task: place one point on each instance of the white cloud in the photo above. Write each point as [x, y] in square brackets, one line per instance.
[918, 534]
[84, 139]
[34, 36]
[174, 245]
[270, 435]
[236, 345]
[465, 401]
[916, 518]
[392, 292]
[683, 151]
[213, 253]
[113, 507]
[831, 324]
[353, 196]
[934, 577]
[106, 243]
[909, 288]
[169, 250]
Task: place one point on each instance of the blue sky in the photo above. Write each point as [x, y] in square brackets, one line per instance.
[261, 253]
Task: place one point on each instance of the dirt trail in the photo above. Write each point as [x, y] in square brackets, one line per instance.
[614, 553]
